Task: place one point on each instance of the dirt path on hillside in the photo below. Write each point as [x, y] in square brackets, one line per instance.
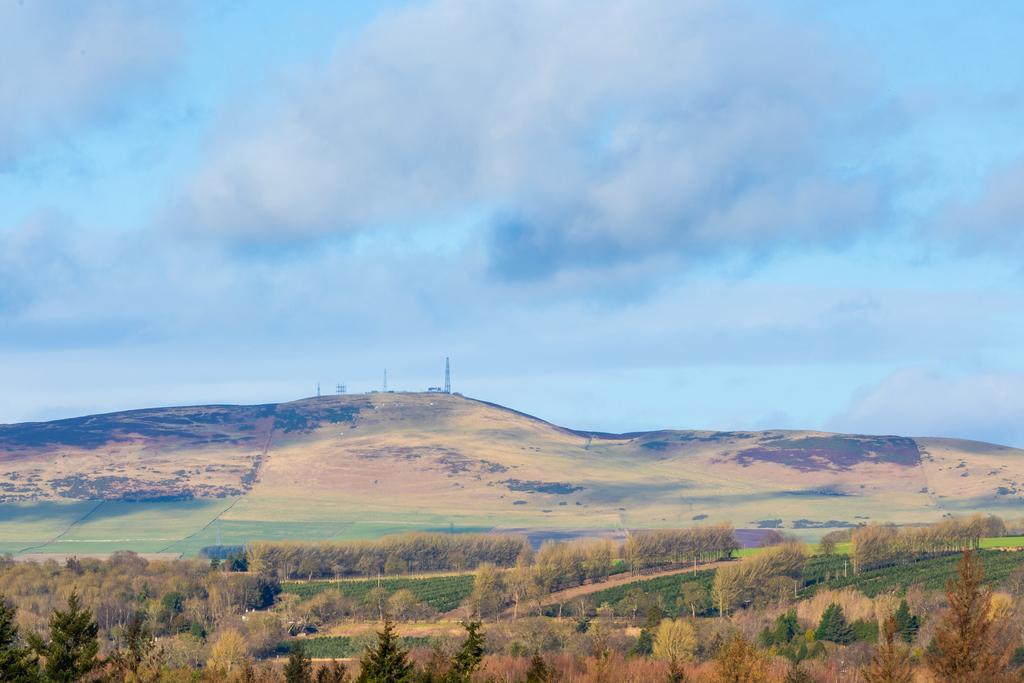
[570, 594]
[620, 580]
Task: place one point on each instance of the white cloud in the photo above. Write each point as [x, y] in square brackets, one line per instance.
[63, 62]
[994, 219]
[984, 406]
[597, 131]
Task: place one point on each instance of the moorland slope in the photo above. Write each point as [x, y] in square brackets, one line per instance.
[172, 479]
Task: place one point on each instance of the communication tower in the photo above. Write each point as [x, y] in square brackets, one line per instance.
[447, 376]
[385, 380]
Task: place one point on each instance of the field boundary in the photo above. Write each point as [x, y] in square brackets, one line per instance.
[68, 528]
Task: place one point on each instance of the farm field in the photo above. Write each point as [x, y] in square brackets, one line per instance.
[931, 574]
[344, 647]
[388, 463]
[443, 593]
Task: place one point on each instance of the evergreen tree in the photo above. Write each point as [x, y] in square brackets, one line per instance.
[786, 627]
[388, 662]
[907, 624]
[652, 619]
[333, 672]
[891, 663]
[71, 653]
[538, 672]
[299, 668]
[137, 657]
[834, 627]
[644, 644]
[968, 645]
[17, 665]
[468, 658]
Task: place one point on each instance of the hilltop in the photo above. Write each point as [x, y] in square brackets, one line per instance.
[172, 479]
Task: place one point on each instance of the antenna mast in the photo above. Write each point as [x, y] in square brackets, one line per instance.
[318, 389]
[385, 380]
[447, 376]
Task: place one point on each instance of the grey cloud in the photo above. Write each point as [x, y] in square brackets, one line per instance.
[64, 62]
[595, 132]
[985, 406]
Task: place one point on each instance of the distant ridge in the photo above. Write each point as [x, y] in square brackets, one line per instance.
[425, 459]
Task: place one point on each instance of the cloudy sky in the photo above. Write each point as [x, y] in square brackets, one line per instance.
[614, 215]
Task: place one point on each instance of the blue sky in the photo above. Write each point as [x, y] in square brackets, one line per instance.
[616, 216]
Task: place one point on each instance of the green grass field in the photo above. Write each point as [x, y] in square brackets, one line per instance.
[103, 527]
[181, 527]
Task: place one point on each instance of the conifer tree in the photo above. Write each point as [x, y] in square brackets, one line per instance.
[299, 668]
[834, 627]
[137, 658]
[786, 627]
[538, 672]
[332, 672]
[968, 645]
[891, 663]
[907, 624]
[17, 665]
[388, 661]
[468, 658]
[71, 652]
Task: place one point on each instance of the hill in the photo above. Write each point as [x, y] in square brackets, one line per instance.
[174, 479]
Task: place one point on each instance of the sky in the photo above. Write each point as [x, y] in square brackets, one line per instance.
[613, 215]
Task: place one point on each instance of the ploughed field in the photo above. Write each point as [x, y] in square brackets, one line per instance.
[174, 480]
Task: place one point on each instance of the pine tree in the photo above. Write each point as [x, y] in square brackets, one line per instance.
[71, 653]
[468, 658]
[891, 663]
[387, 662]
[333, 672]
[538, 672]
[833, 626]
[785, 629]
[299, 668]
[644, 645]
[137, 657]
[907, 624]
[17, 665]
[967, 647]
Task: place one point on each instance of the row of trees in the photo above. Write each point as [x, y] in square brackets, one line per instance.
[391, 556]
[878, 545]
[559, 564]
[760, 578]
[666, 547]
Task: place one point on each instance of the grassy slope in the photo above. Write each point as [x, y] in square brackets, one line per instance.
[428, 461]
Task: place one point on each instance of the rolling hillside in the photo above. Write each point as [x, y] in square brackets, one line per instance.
[175, 479]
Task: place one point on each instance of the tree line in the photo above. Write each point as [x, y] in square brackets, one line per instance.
[668, 547]
[878, 545]
[558, 564]
[972, 640]
[390, 556]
